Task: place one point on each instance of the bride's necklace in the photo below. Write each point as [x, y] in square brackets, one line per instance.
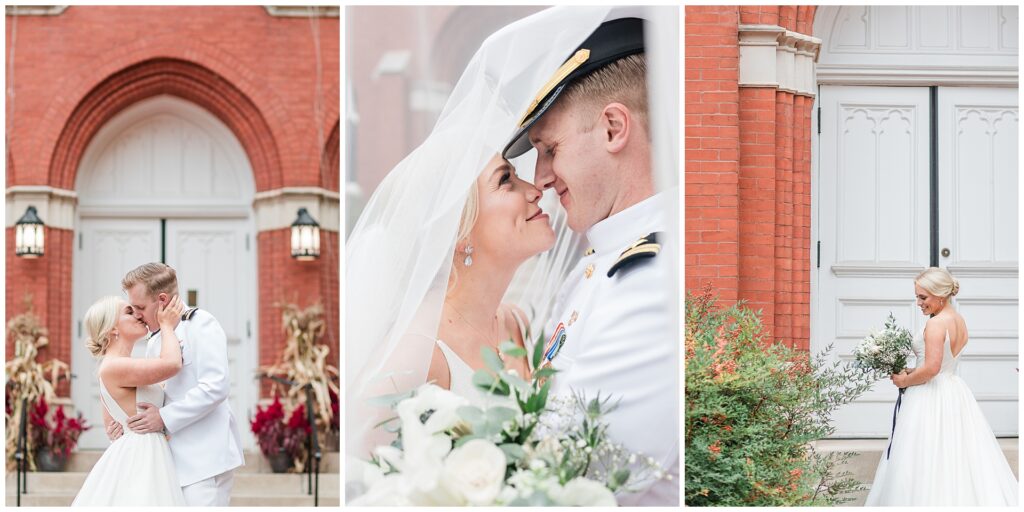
[486, 338]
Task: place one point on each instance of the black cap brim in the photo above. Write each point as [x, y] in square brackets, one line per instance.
[611, 41]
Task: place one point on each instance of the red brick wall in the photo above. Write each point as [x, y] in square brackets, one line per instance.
[255, 72]
[283, 279]
[712, 149]
[747, 173]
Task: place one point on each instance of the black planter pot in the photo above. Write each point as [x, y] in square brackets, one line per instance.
[47, 461]
[279, 462]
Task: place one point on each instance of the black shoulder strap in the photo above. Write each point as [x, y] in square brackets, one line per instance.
[644, 248]
[187, 315]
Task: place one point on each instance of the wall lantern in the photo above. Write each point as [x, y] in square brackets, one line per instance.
[28, 235]
[305, 237]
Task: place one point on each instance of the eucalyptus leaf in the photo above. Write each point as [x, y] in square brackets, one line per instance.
[544, 373]
[489, 383]
[510, 348]
[513, 452]
[516, 382]
[501, 414]
[491, 359]
[470, 414]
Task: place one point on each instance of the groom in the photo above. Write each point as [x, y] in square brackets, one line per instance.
[201, 429]
[613, 326]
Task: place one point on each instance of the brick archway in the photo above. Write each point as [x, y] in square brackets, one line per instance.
[176, 77]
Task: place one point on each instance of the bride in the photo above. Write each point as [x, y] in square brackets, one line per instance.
[136, 469]
[454, 252]
[943, 451]
[500, 228]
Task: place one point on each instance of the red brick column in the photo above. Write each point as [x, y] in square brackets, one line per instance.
[712, 106]
[771, 172]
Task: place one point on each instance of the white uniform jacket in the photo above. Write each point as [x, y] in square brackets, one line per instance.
[203, 434]
[622, 337]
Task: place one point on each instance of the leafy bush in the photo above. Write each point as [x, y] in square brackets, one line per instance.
[752, 409]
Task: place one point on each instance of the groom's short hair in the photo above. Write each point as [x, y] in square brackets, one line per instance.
[157, 278]
[622, 81]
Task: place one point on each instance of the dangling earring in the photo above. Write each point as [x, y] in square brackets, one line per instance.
[469, 256]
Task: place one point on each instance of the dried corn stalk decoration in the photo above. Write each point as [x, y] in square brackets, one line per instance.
[304, 361]
[27, 379]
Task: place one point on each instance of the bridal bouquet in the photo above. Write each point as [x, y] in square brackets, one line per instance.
[884, 352]
[522, 449]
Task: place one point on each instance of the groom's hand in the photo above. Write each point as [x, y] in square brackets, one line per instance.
[148, 419]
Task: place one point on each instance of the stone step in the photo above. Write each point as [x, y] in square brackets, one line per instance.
[245, 483]
[255, 462]
[870, 452]
[65, 499]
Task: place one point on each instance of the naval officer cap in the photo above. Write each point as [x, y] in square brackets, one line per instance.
[611, 41]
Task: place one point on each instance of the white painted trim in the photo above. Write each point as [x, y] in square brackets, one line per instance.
[276, 209]
[832, 74]
[35, 10]
[917, 68]
[771, 56]
[303, 11]
[872, 270]
[56, 206]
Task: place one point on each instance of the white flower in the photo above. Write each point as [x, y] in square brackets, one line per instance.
[442, 405]
[389, 490]
[583, 492]
[476, 471]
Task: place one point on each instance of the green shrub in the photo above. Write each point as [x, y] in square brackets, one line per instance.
[752, 409]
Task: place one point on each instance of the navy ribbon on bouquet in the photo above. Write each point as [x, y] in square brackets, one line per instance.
[899, 400]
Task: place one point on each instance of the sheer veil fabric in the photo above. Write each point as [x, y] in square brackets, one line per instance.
[399, 255]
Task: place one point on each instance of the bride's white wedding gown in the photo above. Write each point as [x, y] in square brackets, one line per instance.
[943, 450]
[461, 380]
[136, 469]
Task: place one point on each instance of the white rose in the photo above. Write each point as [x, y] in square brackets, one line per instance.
[476, 471]
[442, 404]
[390, 490]
[874, 349]
[583, 492]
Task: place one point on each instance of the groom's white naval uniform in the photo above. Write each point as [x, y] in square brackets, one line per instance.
[621, 336]
[203, 434]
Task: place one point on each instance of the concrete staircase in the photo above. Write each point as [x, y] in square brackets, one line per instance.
[870, 451]
[255, 484]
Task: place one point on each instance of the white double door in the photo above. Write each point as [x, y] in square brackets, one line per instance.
[215, 264]
[876, 216]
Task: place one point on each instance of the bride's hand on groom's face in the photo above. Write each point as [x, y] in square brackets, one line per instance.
[168, 316]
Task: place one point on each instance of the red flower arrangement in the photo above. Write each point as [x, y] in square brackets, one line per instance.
[59, 436]
[335, 422]
[275, 435]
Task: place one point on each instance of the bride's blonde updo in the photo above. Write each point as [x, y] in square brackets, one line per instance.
[99, 321]
[938, 282]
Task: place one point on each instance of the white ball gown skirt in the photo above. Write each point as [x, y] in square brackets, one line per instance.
[136, 470]
[943, 452]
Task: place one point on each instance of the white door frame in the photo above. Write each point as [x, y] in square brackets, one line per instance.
[234, 201]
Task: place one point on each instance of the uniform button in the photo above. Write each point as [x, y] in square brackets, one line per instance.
[573, 317]
[589, 252]
[589, 271]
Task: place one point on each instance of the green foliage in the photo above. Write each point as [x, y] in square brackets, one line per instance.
[753, 408]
